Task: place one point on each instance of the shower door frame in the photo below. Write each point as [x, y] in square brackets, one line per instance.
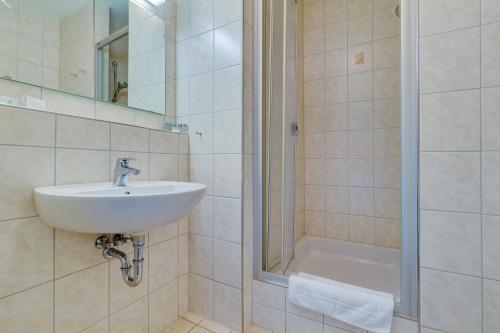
[409, 301]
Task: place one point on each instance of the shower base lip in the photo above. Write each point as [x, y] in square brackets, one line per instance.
[367, 266]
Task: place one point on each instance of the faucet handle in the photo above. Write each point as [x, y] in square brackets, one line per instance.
[124, 161]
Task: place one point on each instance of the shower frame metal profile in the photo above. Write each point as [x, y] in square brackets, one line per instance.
[408, 305]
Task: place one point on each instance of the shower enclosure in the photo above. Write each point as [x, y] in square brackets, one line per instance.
[336, 144]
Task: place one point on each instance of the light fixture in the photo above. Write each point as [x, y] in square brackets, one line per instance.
[9, 6]
[156, 2]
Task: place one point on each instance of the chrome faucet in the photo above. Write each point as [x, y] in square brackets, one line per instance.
[122, 170]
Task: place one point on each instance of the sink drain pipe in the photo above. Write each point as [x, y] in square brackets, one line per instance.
[131, 273]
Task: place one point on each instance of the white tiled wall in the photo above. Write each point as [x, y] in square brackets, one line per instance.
[351, 121]
[29, 45]
[209, 98]
[56, 281]
[459, 165]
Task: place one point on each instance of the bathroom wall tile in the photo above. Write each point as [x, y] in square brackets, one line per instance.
[387, 203]
[491, 182]
[31, 263]
[385, 24]
[201, 134]
[201, 217]
[201, 15]
[315, 223]
[115, 113]
[297, 324]
[361, 172]
[228, 306]
[163, 166]
[269, 295]
[450, 302]
[360, 58]
[314, 93]
[227, 219]
[314, 171]
[75, 132]
[182, 255]
[25, 127]
[129, 138]
[302, 312]
[451, 121]
[337, 226]
[163, 142]
[388, 232]
[78, 300]
[314, 14]
[63, 103]
[359, 7]
[29, 311]
[337, 172]
[75, 251]
[335, 35]
[360, 29]
[119, 298]
[361, 229]
[201, 93]
[314, 41]
[315, 197]
[163, 305]
[491, 246]
[450, 181]
[361, 201]
[227, 263]
[76, 166]
[360, 87]
[387, 143]
[201, 170]
[163, 263]
[451, 242]
[227, 175]
[335, 63]
[387, 172]
[227, 88]
[100, 327]
[336, 90]
[438, 17]
[490, 118]
[314, 119]
[459, 70]
[201, 255]
[201, 300]
[403, 325]
[490, 11]
[335, 10]
[336, 117]
[337, 199]
[386, 113]
[314, 66]
[19, 178]
[270, 318]
[490, 51]
[386, 52]
[360, 115]
[491, 305]
[133, 318]
[227, 132]
[386, 82]
[226, 11]
[201, 52]
[336, 144]
[183, 294]
[228, 45]
[361, 144]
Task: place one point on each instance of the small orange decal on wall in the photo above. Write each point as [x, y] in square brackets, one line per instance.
[359, 59]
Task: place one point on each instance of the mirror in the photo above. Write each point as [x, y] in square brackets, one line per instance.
[110, 50]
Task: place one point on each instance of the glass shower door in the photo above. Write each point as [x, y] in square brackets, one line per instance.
[280, 117]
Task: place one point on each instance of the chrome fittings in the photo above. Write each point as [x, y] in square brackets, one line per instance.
[131, 273]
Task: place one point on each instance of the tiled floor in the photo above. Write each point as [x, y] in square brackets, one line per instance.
[193, 323]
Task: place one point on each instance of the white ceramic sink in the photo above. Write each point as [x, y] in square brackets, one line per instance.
[104, 208]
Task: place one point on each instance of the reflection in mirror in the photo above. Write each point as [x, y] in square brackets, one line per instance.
[48, 43]
[111, 50]
[130, 53]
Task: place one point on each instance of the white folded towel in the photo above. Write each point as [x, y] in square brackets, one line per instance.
[368, 309]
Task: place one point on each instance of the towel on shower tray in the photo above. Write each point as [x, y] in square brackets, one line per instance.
[368, 309]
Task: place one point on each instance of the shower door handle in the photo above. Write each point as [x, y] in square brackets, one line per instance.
[295, 128]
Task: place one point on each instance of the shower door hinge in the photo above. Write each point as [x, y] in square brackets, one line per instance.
[295, 128]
